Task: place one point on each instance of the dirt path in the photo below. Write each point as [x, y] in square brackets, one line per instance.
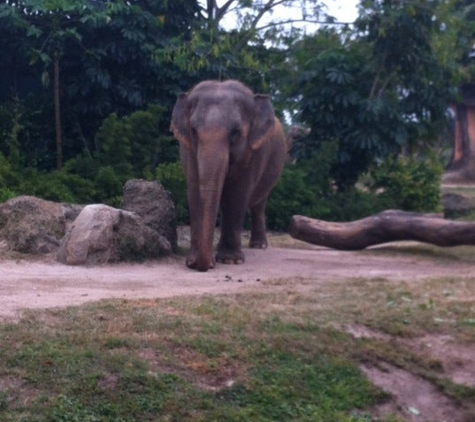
[44, 284]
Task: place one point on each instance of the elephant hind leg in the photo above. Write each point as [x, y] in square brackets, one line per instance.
[229, 247]
[230, 256]
[233, 212]
[258, 226]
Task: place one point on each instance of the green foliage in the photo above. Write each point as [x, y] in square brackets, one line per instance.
[10, 127]
[302, 189]
[296, 195]
[173, 179]
[108, 185]
[6, 194]
[409, 183]
[110, 61]
[58, 186]
[293, 195]
[133, 144]
[381, 89]
[128, 147]
[115, 149]
[9, 180]
[352, 204]
[377, 87]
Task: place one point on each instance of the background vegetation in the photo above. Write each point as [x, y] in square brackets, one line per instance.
[88, 86]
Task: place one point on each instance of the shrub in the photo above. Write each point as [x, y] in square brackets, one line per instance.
[58, 186]
[172, 177]
[292, 195]
[109, 186]
[9, 180]
[302, 189]
[352, 204]
[133, 145]
[409, 183]
[6, 194]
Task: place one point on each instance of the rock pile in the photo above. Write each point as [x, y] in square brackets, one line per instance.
[144, 227]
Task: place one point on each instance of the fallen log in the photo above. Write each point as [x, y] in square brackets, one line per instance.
[387, 226]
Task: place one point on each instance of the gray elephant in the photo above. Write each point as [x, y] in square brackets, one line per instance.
[232, 149]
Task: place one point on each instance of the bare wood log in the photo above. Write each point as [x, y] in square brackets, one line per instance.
[387, 226]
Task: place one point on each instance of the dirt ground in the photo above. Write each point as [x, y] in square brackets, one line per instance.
[45, 283]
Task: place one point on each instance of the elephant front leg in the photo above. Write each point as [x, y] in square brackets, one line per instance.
[258, 226]
[198, 247]
[202, 225]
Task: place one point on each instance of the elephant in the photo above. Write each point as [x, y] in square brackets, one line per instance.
[232, 150]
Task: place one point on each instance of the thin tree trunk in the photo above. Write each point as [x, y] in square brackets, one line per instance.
[462, 165]
[57, 114]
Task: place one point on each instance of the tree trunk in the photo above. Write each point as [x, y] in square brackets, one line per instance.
[57, 114]
[387, 226]
[462, 164]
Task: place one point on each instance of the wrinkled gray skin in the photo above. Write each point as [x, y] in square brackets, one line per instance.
[233, 149]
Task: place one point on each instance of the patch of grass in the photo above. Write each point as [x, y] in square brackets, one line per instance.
[267, 356]
[184, 360]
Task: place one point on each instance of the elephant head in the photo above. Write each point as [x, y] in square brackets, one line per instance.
[219, 126]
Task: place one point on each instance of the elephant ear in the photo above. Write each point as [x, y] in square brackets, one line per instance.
[264, 120]
[180, 125]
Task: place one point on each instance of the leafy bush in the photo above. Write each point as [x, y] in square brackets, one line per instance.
[6, 194]
[351, 204]
[301, 189]
[173, 179]
[133, 145]
[109, 186]
[9, 180]
[58, 186]
[409, 183]
[291, 196]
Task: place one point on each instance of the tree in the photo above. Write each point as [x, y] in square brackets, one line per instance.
[254, 47]
[111, 57]
[379, 91]
[461, 168]
[53, 23]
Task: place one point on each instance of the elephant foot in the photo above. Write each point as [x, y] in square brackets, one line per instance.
[258, 243]
[230, 257]
[194, 263]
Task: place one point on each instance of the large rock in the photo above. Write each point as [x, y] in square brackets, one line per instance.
[103, 234]
[154, 205]
[33, 225]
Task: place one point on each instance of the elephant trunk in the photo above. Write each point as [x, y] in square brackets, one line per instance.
[212, 169]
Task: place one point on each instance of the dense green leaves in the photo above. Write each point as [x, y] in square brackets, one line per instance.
[107, 55]
[372, 90]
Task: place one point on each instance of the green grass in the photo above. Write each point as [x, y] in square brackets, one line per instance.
[279, 355]
[211, 359]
